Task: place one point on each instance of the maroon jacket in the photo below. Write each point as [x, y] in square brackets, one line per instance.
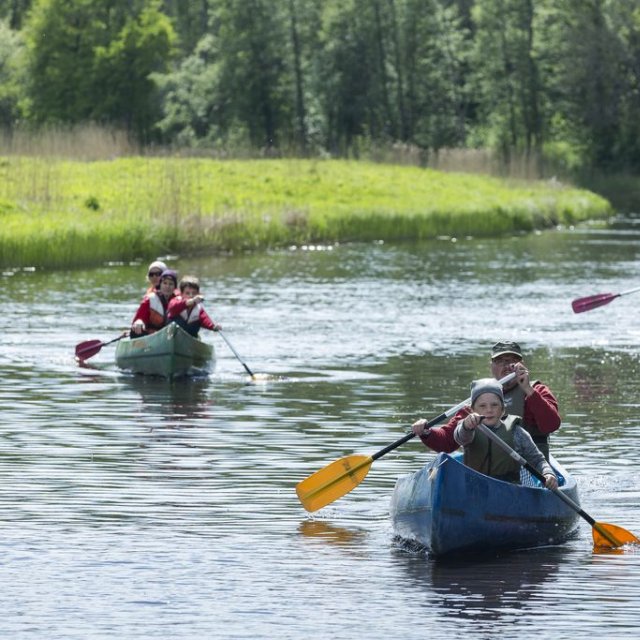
[195, 314]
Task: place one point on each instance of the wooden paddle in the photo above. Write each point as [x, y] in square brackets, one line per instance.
[89, 348]
[604, 535]
[338, 478]
[235, 353]
[598, 300]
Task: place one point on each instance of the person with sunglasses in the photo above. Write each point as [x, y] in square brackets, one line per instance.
[533, 401]
[153, 275]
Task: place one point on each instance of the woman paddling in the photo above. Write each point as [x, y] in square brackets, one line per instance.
[151, 315]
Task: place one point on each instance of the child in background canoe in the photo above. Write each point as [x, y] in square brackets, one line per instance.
[187, 311]
[151, 315]
[487, 405]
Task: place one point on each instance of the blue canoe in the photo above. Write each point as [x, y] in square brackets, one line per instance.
[448, 508]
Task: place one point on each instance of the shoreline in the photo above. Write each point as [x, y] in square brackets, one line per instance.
[65, 214]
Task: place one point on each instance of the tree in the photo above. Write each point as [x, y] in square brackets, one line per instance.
[436, 60]
[507, 77]
[195, 112]
[596, 78]
[14, 11]
[11, 75]
[141, 47]
[91, 60]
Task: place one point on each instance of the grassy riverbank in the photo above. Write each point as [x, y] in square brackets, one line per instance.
[59, 213]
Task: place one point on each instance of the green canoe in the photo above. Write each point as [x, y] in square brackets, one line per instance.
[170, 352]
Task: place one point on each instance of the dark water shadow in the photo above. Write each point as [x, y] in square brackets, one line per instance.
[485, 588]
[176, 400]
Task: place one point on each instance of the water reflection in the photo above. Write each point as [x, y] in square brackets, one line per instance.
[331, 533]
[178, 400]
[485, 589]
[186, 488]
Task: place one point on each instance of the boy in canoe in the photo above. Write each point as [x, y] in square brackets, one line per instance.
[533, 401]
[480, 454]
[187, 310]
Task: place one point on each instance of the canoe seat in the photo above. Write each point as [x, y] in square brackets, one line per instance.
[528, 480]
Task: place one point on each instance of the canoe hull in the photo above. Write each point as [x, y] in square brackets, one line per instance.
[170, 353]
[447, 507]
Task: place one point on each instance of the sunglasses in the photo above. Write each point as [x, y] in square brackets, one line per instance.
[153, 274]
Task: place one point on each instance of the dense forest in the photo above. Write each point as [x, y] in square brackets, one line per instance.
[554, 80]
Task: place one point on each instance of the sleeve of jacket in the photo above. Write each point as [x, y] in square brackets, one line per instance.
[525, 446]
[541, 409]
[206, 321]
[464, 436]
[143, 311]
[176, 306]
[441, 439]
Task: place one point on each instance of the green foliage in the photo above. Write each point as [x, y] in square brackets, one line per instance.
[74, 213]
[142, 46]
[11, 75]
[14, 12]
[196, 113]
[91, 60]
[339, 77]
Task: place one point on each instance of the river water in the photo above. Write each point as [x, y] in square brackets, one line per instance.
[138, 508]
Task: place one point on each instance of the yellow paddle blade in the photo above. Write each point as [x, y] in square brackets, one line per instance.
[333, 481]
[611, 536]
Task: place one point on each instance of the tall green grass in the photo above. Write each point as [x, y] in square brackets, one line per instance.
[61, 213]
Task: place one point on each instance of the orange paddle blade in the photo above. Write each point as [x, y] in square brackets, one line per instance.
[611, 536]
[333, 481]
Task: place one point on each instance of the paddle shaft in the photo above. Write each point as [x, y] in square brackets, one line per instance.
[533, 471]
[624, 293]
[235, 353]
[341, 476]
[326, 483]
[447, 414]
[124, 335]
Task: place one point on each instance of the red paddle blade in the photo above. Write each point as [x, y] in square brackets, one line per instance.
[592, 302]
[87, 349]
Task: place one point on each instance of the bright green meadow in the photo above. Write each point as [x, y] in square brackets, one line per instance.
[60, 213]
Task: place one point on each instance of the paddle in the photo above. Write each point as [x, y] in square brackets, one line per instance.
[338, 478]
[235, 353]
[604, 535]
[89, 348]
[598, 300]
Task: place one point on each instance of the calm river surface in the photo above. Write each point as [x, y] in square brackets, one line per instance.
[135, 508]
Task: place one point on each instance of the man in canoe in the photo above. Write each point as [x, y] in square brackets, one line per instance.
[151, 315]
[532, 401]
[187, 311]
[481, 454]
